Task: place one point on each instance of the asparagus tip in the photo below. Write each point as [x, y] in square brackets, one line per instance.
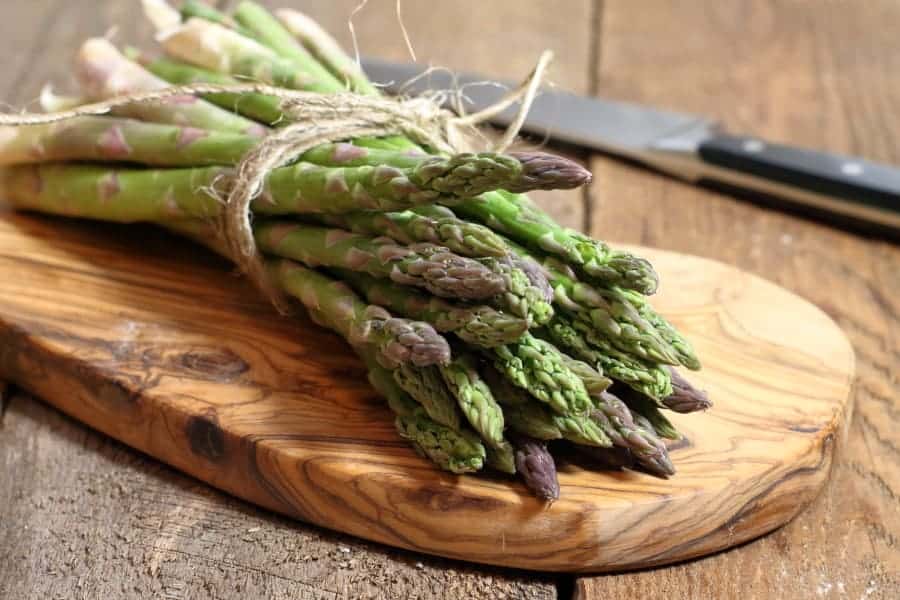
[544, 171]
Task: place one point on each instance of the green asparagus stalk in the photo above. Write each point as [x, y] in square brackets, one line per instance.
[114, 139]
[646, 413]
[593, 258]
[269, 31]
[594, 381]
[537, 468]
[685, 398]
[326, 49]
[422, 265]
[502, 458]
[426, 386]
[474, 398]
[478, 325]
[608, 312]
[528, 417]
[515, 216]
[457, 452]
[580, 340]
[522, 297]
[683, 349]
[265, 109]
[615, 419]
[462, 237]
[202, 10]
[535, 365]
[104, 72]
[184, 193]
[398, 341]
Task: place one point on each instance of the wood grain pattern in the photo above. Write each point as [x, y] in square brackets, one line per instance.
[818, 74]
[189, 366]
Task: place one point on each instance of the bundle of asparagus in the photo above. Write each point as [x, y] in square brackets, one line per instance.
[491, 330]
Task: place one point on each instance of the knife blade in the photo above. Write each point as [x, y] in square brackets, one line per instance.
[690, 147]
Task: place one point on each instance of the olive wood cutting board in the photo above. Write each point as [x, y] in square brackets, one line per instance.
[156, 343]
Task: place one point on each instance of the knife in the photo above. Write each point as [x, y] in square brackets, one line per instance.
[685, 146]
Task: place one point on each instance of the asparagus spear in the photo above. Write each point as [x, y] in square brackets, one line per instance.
[614, 417]
[608, 312]
[422, 265]
[326, 49]
[474, 398]
[521, 297]
[528, 417]
[215, 47]
[116, 139]
[646, 413]
[104, 72]
[269, 31]
[502, 458]
[515, 216]
[266, 109]
[458, 452]
[685, 398]
[202, 10]
[593, 258]
[478, 325]
[181, 193]
[535, 365]
[462, 237]
[594, 381]
[581, 341]
[683, 348]
[537, 468]
[426, 386]
[398, 341]
[454, 451]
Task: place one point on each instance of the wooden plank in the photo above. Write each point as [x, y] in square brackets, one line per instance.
[812, 73]
[436, 31]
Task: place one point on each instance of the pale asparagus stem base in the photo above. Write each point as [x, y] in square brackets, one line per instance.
[104, 72]
[265, 109]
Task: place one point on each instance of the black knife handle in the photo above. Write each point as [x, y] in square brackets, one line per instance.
[851, 179]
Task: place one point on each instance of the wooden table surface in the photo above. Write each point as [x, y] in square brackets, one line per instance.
[82, 516]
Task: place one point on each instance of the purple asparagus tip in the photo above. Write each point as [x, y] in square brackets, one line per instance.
[537, 468]
[685, 398]
[543, 171]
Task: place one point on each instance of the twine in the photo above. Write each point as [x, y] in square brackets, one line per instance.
[316, 119]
